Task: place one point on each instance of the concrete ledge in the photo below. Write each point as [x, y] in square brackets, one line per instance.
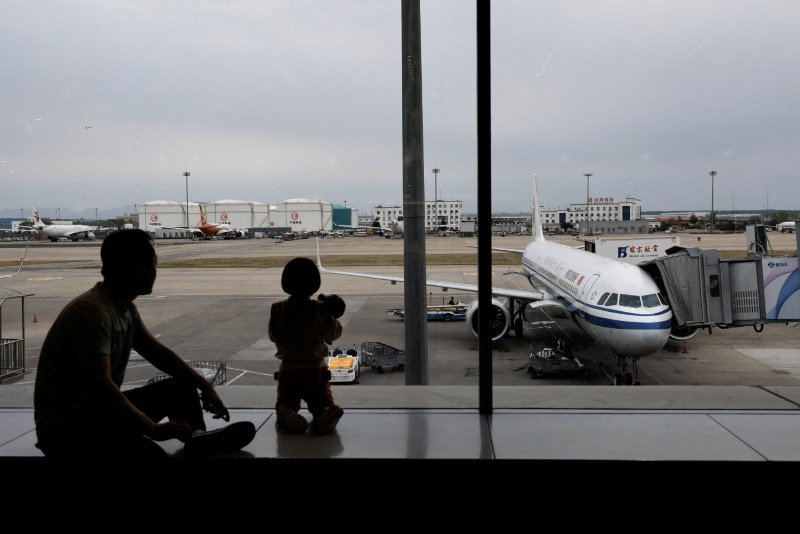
[507, 397]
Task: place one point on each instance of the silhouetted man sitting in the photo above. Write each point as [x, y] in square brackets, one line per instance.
[79, 408]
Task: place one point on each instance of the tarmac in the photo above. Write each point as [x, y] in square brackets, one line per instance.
[724, 396]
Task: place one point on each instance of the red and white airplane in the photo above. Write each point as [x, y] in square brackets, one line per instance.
[208, 230]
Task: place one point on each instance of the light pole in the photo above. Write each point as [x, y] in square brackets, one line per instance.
[435, 199]
[95, 215]
[186, 175]
[712, 174]
[587, 175]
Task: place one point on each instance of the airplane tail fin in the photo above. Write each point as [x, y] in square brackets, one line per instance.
[37, 219]
[536, 221]
[202, 214]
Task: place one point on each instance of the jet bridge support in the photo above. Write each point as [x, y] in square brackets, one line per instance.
[705, 291]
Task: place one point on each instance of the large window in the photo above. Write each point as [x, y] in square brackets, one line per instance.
[114, 106]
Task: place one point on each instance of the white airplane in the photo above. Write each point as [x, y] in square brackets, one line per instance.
[74, 232]
[617, 304]
[787, 226]
[395, 228]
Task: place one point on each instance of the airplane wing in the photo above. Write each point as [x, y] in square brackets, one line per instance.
[501, 249]
[197, 232]
[74, 233]
[473, 288]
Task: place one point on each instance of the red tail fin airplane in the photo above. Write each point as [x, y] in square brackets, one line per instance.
[210, 230]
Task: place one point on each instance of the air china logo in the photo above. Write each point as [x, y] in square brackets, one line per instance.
[295, 216]
[774, 264]
[223, 216]
[154, 217]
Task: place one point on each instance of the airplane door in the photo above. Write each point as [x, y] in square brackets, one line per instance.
[587, 286]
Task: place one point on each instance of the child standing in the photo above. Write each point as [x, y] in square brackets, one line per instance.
[301, 329]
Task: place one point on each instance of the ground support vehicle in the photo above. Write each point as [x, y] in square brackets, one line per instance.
[345, 367]
[544, 359]
[446, 312]
[378, 355]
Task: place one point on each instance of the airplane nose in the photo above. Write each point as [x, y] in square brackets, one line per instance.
[644, 343]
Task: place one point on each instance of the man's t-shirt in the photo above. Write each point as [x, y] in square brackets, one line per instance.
[90, 326]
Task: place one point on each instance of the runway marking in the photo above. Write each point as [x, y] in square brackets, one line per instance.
[787, 360]
[44, 278]
[232, 380]
[252, 372]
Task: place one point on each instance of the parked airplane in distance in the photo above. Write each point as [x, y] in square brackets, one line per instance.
[395, 228]
[787, 226]
[617, 304]
[208, 230]
[74, 232]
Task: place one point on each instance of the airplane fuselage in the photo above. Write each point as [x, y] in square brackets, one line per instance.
[616, 303]
[70, 231]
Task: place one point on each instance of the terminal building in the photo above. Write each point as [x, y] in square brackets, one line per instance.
[441, 213]
[601, 215]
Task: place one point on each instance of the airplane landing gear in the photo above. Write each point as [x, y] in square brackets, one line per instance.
[623, 377]
[517, 317]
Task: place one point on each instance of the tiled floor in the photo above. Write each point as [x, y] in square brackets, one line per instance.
[505, 435]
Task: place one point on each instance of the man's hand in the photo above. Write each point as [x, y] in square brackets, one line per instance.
[213, 404]
[170, 430]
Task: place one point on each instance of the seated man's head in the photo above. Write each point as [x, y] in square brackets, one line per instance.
[300, 278]
[129, 260]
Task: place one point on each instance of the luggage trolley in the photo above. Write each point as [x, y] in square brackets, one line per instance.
[378, 355]
[544, 358]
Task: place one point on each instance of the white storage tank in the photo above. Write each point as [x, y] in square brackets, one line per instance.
[166, 214]
[240, 214]
[304, 215]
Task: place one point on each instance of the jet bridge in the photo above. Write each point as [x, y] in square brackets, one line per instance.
[706, 291]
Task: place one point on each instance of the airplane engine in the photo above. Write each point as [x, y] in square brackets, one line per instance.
[501, 319]
[682, 333]
[90, 236]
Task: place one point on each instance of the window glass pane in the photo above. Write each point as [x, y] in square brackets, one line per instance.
[630, 301]
[651, 301]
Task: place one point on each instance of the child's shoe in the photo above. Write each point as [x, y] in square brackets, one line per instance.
[290, 420]
[326, 421]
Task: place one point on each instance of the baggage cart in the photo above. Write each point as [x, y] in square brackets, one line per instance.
[378, 355]
[213, 371]
[544, 358]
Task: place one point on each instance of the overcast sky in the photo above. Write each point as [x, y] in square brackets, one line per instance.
[107, 103]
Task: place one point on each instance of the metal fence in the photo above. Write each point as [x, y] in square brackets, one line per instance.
[12, 359]
[213, 371]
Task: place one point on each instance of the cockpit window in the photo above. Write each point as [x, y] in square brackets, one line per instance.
[612, 300]
[651, 301]
[602, 299]
[630, 301]
[663, 299]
